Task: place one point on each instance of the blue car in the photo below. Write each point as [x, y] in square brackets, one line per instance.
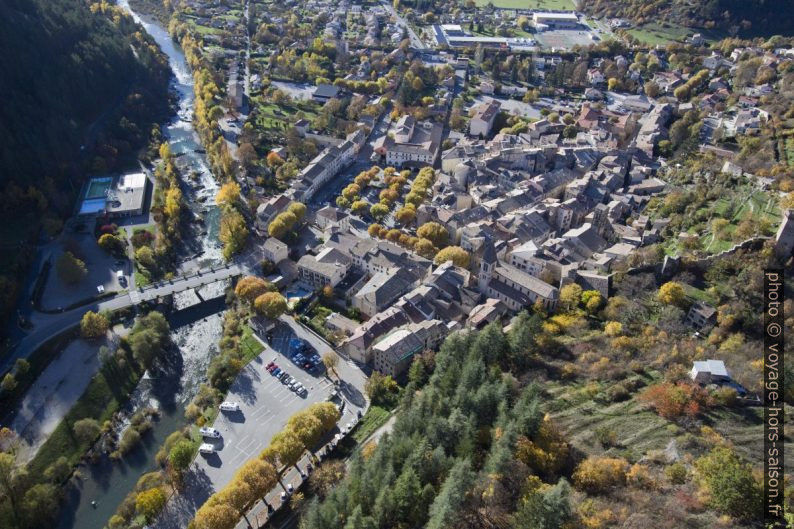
[276, 372]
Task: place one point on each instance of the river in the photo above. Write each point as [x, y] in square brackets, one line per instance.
[170, 389]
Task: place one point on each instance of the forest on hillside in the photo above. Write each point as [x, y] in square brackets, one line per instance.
[83, 88]
[745, 18]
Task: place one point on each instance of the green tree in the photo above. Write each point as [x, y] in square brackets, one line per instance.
[251, 287]
[545, 510]
[93, 325]
[70, 269]
[112, 244]
[259, 475]
[435, 233]
[425, 248]
[729, 483]
[381, 389]
[181, 455]
[456, 254]
[144, 256]
[40, 505]
[671, 293]
[233, 232]
[216, 516]
[150, 502]
[379, 211]
[86, 430]
[330, 361]
[570, 295]
[271, 305]
[9, 383]
[447, 505]
[298, 209]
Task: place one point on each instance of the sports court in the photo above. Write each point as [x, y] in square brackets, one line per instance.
[564, 38]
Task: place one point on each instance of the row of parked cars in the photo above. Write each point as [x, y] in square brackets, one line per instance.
[302, 355]
[286, 378]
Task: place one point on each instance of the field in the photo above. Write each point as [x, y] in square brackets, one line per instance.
[250, 345]
[371, 421]
[654, 34]
[274, 119]
[550, 5]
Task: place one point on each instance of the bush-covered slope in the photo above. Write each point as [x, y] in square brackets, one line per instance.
[737, 17]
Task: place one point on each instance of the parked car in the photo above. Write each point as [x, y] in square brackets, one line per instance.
[206, 431]
[276, 372]
[293, 385]
[229, 406]
[206, 448]
[269, 365]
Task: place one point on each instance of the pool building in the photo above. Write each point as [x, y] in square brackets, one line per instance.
[123, 196]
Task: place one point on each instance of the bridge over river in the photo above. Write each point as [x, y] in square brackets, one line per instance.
[51, 325]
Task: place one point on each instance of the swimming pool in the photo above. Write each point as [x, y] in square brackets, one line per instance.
[98, 187]
[296, 291]
[91, 206]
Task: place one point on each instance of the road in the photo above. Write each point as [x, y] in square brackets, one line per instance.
[48, 325]
[416, 42]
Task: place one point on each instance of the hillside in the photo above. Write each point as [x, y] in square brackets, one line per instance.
[82, 88]
[745, 18]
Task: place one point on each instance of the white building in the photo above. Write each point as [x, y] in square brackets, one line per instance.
[326, 268]
[561, 20]
[274, 250]
[482, 121]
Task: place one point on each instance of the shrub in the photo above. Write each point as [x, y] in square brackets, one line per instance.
[596, 475]
[729, 483]
[672, 401]
[676, 473]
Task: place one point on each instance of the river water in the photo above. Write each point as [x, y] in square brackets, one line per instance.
[172, 387]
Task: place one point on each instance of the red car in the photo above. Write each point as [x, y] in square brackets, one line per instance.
[272, 367]
[269, 365]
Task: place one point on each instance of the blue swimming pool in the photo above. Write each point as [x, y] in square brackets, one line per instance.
[298, 292]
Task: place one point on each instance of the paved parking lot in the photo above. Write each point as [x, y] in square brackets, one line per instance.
[266, 403]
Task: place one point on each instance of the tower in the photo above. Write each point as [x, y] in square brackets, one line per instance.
[487, 265]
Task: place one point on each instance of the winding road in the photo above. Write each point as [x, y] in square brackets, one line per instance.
[49, 325]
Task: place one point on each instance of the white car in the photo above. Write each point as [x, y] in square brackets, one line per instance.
[206, 431]
[229, 406]
[206, 448]
[290, 488]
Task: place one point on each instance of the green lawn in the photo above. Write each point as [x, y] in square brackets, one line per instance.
[654, 33]
[371, 421]
[562, 5]
[106, 392]
[250, 345]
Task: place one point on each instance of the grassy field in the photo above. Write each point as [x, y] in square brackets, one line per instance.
[249, 344]
[371, 421]
[274, 119]
[101, 399]
[655, 34]
[562, 5]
